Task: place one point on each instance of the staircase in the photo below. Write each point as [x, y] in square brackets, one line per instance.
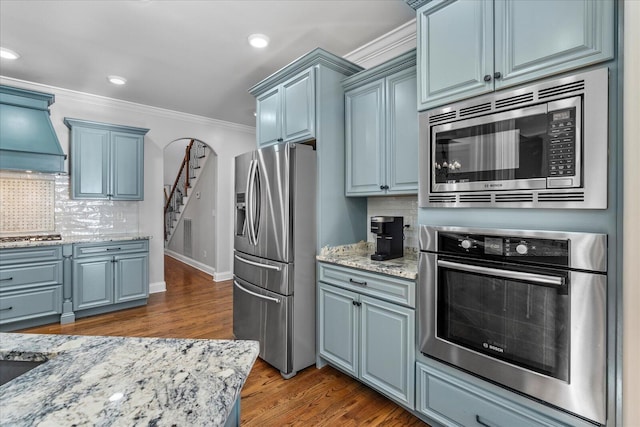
[175, 199]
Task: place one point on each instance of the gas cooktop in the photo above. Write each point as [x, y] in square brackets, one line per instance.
[31, 238]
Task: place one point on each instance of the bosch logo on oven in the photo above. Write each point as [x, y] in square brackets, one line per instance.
[492, 347]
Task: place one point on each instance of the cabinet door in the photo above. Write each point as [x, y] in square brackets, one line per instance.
[92, 282]
[387, 354]
[131, 277]
[298, 107]
[127, 166]
[537, 38]
[89, 163]
[455, 51]
[338, 327]
[364, 145]
[268, 118]
[402, 133]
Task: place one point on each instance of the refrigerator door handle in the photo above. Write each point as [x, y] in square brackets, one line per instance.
[276, 300]
[257, 190]
[257, 264]
[250, 207]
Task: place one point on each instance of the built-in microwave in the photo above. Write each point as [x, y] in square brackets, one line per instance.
[544, 145]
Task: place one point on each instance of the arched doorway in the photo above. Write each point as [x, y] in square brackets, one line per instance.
[189, 185]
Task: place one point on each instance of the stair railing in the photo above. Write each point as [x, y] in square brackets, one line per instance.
[174, 201]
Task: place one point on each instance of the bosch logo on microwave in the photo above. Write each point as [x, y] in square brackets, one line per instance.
[493, 347]
[492, 185]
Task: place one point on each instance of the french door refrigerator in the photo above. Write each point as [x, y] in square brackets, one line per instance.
[274, 254]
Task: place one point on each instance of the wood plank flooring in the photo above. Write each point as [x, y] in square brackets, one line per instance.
[196, 307]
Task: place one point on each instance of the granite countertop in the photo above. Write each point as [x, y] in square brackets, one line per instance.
[358, 255]
[83, 238]
[122, 381]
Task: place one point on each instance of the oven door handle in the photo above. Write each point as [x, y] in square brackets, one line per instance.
[540, 279]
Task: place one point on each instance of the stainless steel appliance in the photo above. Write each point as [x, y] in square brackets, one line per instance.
[274, 256]
[523, 309]
[543, 145]
[389, 231]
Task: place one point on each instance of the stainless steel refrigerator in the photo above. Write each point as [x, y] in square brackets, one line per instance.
[274, 254]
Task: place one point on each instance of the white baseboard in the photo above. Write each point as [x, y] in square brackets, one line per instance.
[222, 276]
[157, 287]
[192, 262]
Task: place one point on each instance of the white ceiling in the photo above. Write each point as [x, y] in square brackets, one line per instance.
[189, 56]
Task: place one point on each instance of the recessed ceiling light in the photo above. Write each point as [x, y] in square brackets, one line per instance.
[258, 40]
[8, 53]
[117, 80]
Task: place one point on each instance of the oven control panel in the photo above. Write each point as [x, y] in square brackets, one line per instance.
[506, 248]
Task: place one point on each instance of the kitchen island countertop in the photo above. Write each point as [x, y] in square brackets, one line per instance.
[358, 255]
[123, 381]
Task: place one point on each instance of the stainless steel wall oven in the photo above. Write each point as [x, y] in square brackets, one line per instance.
[543, 145]
[523, 309]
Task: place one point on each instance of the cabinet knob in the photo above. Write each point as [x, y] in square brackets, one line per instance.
[487, 78]
[497, 75]
[280, 139]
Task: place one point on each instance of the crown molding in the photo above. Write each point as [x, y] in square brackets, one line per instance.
[103, 101]
[402, 38]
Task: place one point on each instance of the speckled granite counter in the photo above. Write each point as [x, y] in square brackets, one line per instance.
[85, 238]
[358, 255]
[159, 381]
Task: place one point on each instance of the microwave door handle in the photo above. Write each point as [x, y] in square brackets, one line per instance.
[540, 279]
[257, 264]
[276, 300]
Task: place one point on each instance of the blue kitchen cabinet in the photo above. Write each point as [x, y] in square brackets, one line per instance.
[452, 401]
[366, 330]
[338, 327]
[381, 128]
[30, 286]
[107, 161]
[467, 48]
[364, 144]
[109, 276]
[286, 113]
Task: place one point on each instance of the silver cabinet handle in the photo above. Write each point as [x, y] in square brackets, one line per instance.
[257, 264]
[7, 308]
[113, 249]
[276, 300]
[508, 274]
[482, 422]
[6, 280]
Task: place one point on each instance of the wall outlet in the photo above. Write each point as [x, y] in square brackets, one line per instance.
[204, 254]
[119, 215]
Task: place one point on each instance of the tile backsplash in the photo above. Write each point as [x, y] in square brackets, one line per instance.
[404, 206]
[26, 203]
[37, 203]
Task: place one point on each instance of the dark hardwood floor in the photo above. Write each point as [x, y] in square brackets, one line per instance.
[196, 307]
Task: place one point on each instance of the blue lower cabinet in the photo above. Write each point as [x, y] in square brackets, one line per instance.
[455, 402]
[369, 338]
[30, 286]
[109, 274]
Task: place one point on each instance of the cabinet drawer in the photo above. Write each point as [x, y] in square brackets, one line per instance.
[456, 403]
[22, 255]
[385, 287]
[29, 275]
[21, 305]
[109, 248]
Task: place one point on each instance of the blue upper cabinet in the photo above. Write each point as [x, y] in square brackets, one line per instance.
[466, 48]
[455, 50]
[286, 113]
[381, 129]
[107, 161]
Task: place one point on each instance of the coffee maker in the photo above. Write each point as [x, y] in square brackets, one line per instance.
[389, 237]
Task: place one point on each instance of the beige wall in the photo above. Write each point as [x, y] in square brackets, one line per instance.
[631, 274]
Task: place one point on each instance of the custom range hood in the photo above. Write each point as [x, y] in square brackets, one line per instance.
[27, 139]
